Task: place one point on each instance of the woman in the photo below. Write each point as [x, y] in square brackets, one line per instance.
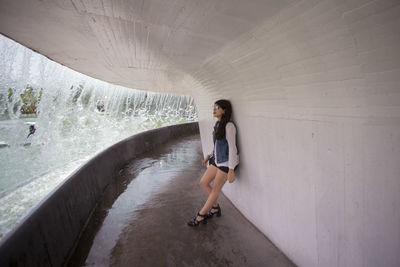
[223, 161]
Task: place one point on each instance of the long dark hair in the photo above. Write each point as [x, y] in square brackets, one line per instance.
[226, 117]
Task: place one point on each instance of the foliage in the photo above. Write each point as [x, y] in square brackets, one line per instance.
[77, 94]
[30, 100]
[27, 102]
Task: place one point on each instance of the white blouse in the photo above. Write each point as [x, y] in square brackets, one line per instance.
[230, 130]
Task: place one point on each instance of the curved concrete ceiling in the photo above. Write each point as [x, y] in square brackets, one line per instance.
[149, 45]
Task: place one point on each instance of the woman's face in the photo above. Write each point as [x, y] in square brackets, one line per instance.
[218, 111]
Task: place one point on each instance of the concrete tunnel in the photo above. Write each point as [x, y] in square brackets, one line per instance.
[315, 88]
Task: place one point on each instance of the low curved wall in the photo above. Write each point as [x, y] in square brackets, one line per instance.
[49, 234]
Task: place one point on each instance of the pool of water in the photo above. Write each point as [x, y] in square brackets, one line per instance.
[29, 173]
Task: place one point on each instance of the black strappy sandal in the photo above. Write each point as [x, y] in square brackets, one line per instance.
[195, 222]
[210, 214]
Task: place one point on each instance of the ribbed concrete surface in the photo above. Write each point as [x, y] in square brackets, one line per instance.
[314, 85]
[316, 93]
[142, 221]
[149, 45]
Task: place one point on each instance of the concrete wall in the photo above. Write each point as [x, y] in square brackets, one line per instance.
[316, 97]
[48, 235]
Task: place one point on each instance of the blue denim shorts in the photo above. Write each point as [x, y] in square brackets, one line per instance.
[211, 161]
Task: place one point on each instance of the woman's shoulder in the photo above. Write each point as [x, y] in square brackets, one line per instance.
[230, 124]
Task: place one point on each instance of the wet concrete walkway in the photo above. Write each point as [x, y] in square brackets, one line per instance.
[142, 220]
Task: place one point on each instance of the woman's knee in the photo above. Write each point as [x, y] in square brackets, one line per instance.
[208, 176]
[215, 190]
[204, 182]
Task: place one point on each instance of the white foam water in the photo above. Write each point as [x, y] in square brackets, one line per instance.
[75, 117]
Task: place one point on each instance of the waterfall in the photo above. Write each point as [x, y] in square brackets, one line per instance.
[74, 116]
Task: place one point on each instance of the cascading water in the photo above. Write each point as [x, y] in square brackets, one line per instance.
[75, 117]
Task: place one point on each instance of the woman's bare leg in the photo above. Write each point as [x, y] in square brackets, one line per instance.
[219, 182]
[207, 178]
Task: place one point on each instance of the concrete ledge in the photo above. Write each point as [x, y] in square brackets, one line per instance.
[49, 234]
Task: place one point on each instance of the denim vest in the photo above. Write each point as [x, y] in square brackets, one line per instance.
[222, 146]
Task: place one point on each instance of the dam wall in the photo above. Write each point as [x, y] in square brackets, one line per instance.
[49, 234]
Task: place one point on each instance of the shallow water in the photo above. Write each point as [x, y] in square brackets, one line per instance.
[29, 173]
[136, 183]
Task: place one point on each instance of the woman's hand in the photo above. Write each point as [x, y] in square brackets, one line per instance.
[231, 175]
[204, 162]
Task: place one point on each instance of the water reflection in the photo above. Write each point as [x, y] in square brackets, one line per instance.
[137, 182]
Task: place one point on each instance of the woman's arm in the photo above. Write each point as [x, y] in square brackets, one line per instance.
[204, 162]
[233, 157]
[208, 156]
[231, 138]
